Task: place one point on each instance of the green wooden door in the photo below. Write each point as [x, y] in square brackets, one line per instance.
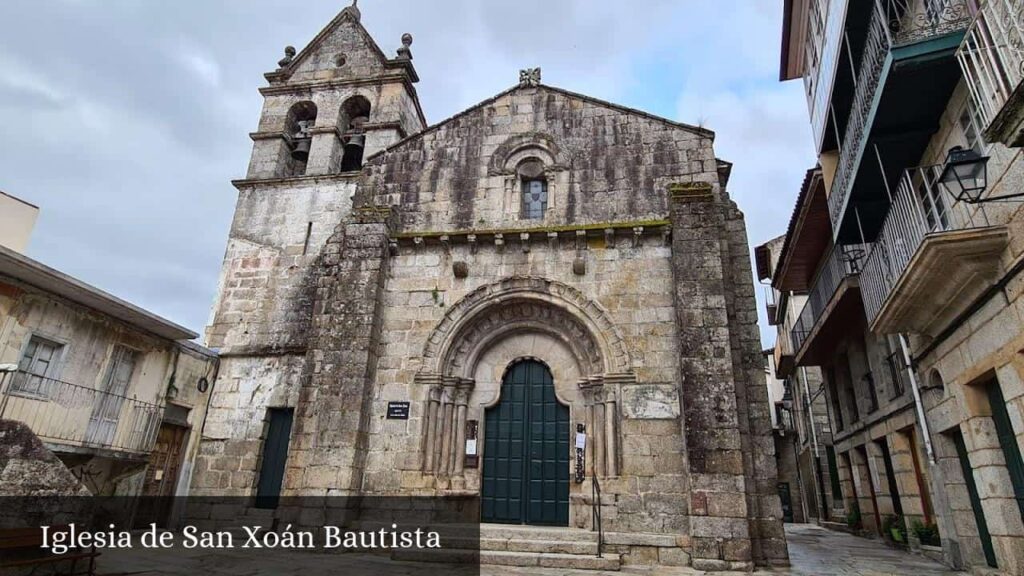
[526, 451]
[1008, 442]
[972, 494]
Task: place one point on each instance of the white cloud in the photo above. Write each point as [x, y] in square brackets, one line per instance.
[136, 114]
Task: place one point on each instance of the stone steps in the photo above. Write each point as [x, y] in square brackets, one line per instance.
[520, 559]
[522, 546]
[513, 532]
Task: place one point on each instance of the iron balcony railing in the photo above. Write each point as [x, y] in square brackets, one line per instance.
[79, 416]
[893, 23]
[843, 262]
[992, 55]
[921, 206]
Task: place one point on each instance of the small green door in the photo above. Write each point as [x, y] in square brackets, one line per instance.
[1008, 442]
[526, 451]
[972, 494]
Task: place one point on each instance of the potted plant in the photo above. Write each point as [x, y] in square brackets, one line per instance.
[927, 534]
[897, 529]
[853, 519]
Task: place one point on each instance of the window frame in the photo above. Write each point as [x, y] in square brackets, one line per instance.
[525, 213]
[24, 375]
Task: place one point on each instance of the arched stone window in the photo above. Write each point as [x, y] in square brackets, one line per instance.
[299, 137]
[355, 113]
[534, 187]
[934, 389]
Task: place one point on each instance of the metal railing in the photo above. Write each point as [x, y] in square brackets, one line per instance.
[843, 262]
[897, 374]
[893, 23]
[920, 206]
[74, 415]
[992, 55]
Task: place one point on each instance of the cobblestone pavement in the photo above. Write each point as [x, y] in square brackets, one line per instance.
[813, 551]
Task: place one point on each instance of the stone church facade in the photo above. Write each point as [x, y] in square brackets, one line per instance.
[543, 290]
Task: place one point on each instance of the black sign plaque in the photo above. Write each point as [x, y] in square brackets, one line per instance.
[398, 410]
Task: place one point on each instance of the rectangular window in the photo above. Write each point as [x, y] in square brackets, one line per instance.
[971, 127]
[37, 366]
[933, 202]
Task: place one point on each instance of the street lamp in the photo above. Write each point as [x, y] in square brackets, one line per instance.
[965, 175]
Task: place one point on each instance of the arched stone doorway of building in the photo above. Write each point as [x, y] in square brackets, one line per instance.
[477, 347]
[526, 450]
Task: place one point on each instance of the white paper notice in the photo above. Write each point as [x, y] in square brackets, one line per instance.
[471, 447]
[581, 440]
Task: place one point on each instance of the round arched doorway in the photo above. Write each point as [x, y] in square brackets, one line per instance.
[525, 476]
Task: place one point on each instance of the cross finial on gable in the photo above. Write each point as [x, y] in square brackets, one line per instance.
[529, 77]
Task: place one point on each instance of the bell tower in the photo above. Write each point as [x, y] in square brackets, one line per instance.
[327, 108]
[335, 102]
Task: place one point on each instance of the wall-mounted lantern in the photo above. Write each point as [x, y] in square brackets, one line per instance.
[965, 175]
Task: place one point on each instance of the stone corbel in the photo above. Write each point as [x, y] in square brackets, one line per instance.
[553, 241]
[581, 240]
[524, 240]
[471, 239]
[638, 236]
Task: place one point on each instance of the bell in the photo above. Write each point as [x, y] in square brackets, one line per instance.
[353, 153]
[301, 150]
[356, 140]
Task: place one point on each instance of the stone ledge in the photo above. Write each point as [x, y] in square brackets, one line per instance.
[691, 192]
[640, 539]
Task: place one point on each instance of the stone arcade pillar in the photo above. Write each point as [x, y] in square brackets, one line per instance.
[735, 518]
[328, 448]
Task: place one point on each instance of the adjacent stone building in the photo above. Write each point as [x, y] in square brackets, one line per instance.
[910, 255]
[403, 308]
[116, 392]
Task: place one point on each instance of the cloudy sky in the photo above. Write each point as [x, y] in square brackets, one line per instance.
[125, 120]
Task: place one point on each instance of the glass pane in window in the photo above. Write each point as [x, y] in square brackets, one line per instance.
[535, 198]
[36, 365]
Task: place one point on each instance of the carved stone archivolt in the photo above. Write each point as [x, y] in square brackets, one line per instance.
[505, 322]
[522, 302]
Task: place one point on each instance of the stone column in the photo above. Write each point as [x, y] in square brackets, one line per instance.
[430, 421]
[447, 432]
[610, 422]
[463, 390]
[589, 388]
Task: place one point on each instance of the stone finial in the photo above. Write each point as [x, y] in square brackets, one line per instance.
[289, 55]
[529, 77]
[354, 10]
[404, 53]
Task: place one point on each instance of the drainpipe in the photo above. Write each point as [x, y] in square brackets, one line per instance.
[917, 401]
